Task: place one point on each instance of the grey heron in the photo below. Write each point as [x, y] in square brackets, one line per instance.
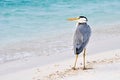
[81, 37]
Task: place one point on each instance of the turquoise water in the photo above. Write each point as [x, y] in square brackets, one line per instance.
[26, 19]
[22, 20]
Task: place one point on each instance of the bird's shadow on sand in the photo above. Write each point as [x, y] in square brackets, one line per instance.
[87, 68]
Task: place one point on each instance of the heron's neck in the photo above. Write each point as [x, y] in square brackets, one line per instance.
[80, 24]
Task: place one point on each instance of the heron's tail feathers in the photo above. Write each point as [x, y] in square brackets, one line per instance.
[79, 50]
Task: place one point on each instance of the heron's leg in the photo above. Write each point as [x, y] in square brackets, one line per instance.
[84, 54]
[75, 61]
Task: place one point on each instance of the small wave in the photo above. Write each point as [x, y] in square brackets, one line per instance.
[10, 57]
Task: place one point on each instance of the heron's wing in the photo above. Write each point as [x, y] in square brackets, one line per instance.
[78, 39]
[86, 32]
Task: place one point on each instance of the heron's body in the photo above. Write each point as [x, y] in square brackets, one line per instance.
[81, 37]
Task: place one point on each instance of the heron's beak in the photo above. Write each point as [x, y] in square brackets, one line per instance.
[72, 19]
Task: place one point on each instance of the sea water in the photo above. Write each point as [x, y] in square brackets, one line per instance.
[40, 27]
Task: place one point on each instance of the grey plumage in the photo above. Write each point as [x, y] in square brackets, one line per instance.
[81, 37]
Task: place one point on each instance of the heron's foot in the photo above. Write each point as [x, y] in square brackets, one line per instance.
[84, 68]
[74, 68]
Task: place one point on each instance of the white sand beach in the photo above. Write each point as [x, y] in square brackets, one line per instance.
[103, 63]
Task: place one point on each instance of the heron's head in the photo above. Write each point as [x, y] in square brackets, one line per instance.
[80, 19]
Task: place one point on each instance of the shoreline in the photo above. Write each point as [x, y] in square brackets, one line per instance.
[37, 47]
